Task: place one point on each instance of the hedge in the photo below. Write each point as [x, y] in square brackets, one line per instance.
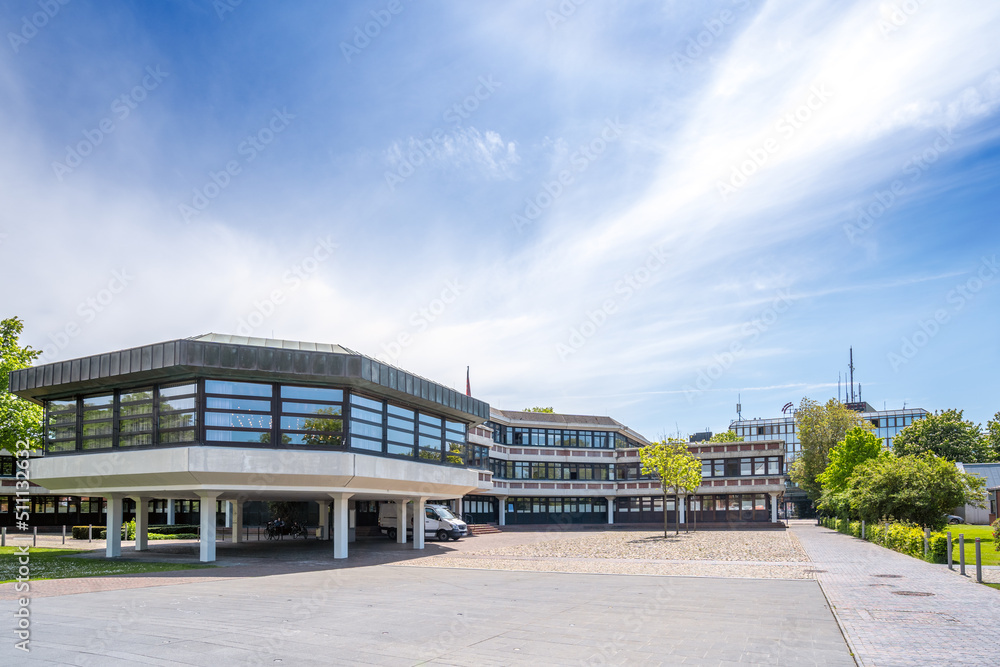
[179, 531]
[904, 538]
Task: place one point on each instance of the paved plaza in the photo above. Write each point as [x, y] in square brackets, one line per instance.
[292, 603]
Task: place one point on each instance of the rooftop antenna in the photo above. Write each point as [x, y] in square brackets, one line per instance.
[838, 387]
[739, 407]
[851, 366]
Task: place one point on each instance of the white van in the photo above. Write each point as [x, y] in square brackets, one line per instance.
[438, 521]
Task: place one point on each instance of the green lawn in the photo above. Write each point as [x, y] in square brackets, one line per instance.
[60, 564]
[985, 535]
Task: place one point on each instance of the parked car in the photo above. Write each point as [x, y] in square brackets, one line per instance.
[438, 522]
[954, 518]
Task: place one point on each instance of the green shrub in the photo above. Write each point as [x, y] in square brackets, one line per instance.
[899, 537]
[996, 535]
[171, 530]
[173, 536]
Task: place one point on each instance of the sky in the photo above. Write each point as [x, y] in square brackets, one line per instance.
[647, 210]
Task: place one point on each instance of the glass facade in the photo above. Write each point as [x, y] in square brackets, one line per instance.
[558, 437]
[555, 471]
[221, 412]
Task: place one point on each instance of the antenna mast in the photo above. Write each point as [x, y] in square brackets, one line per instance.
[851, 366]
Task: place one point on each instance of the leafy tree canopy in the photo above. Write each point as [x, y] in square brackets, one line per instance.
[946, 434]
[918, 489]
[992, 437]
[858, 446]
[539, 409]
[820, 428]
[728, 436]
[20, 420]
[676, 468]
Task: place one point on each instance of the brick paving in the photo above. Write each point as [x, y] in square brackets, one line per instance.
[897, 610]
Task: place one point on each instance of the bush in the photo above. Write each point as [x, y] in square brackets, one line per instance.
[173, 536]
[80, 532]
[901, 537]
[996, 535]
[185, 528]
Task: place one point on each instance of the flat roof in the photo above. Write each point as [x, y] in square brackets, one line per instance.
[241, 357]
[557, 420]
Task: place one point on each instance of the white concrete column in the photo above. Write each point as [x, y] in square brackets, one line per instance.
[229, 514]
[611, 510]
[502, 510]
[774, 506]
[114, 525]
[141, 522]
[324, 519]
[206, 516]
[236, 513]
[682, 508]
[401, 506]
[170, 512]
[418, 522]
[340, 524]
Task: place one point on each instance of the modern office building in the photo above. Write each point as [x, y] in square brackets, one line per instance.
[163, 431]
[886, 425]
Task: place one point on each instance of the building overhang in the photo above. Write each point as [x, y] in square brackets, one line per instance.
[249, 474]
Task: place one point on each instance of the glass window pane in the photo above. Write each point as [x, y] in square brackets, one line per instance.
[237, 436]
[401, 412]
[132, 409]
[311, 409]
[312, 393]
[178, 404]
[177, 436]
[178, 390]
[237, 420]
[97, 443]
[366, 403]
[312, 439]
[214, 403]
[180, 420]
[436, 421]
[145, 394]
[312, 424]
[237, 388]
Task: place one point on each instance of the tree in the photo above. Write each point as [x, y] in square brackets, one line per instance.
[820, 428]
[728, 436]
[945, 434]
[918, 489]
[20, 420]
[992, 437]
[675, 467]
[538, 409]
[858, 446]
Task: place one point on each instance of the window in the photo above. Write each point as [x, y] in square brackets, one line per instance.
[135, 418]
[706, 468]
[98, 421]
[773, 465]
[746, 467]
[719, 468]
[178, 415]
[366, 423]
[759, 465]
[759, 502]
[60, 426]
[311, 416]
[232, 417]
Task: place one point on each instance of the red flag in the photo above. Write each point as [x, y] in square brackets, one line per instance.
[468, 384]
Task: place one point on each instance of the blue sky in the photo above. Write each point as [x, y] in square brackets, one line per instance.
[639, 209]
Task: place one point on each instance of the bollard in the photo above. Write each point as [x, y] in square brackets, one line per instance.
[90, 533]
[961, 554]
[64, 533]
[927, 541]
[863, 533]
[979, 563]
[3, 537]
[951, 565]
[34, 536]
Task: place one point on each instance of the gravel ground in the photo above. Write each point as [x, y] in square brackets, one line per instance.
[745, 554]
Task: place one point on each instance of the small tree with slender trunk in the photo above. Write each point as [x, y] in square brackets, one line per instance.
[676, 468]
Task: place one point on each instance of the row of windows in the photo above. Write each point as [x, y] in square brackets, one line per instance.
[766, 429]
[552, 437]
[556, 505]
[558, 471]
[95, 505]
[742, 467]
[253, 412]
[707, 503]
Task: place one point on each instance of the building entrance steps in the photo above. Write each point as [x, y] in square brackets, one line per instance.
[897, 610]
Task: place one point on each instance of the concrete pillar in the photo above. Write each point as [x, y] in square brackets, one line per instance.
[229, 514]
[141, 522]
[401, 506]
[340, 524]
[774, 506]
[236, 514]
[170, 512]
[206, 516]
[681, 508]
[611, 510]
[502, 510]
[114, 525]
[324, 519]
[418, 522]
